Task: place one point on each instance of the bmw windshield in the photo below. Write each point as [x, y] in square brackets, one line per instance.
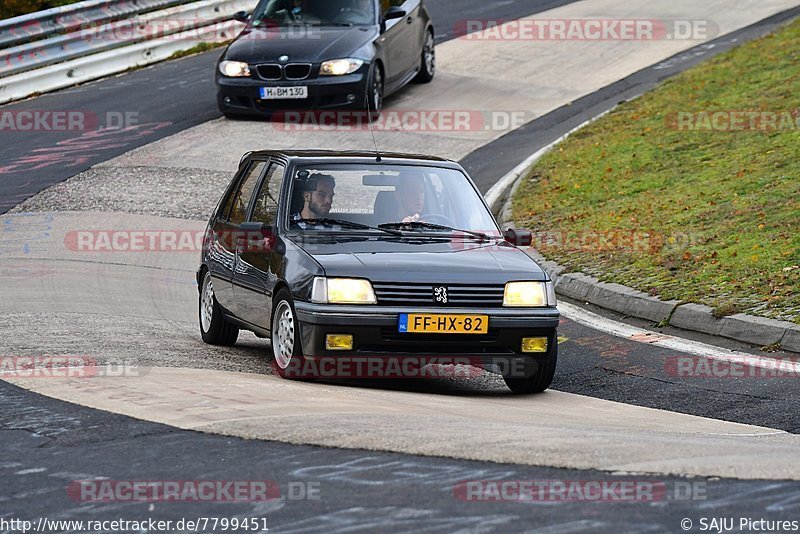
[399, 199]
[315, 12]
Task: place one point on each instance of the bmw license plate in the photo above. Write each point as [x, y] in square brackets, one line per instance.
[281, 93]
[419, 323]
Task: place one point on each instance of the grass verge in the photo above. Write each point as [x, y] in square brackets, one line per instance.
[199, 49]
[679, 194]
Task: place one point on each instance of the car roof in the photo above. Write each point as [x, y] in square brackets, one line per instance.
[342, 156]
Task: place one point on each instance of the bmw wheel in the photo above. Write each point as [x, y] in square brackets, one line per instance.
[427, 69]
[375, 88]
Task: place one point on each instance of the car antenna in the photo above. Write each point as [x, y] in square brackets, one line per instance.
[372, 132]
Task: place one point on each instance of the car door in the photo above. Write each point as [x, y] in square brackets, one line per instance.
[222, 238]
[395, 41]
[415, 34]
[255, 274]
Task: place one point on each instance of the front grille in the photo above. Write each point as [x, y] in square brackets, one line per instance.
[297, 71]
[458, 295]
[292, 71]
[270, 72]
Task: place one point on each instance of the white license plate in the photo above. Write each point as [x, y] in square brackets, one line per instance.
[278, 93]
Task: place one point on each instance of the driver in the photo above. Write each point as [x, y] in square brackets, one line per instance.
[317, 197]
[410, 197]
[297, 10]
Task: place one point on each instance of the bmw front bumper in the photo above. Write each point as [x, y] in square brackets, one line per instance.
[242, 95]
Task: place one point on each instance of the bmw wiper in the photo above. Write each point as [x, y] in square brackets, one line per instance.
[432, 226]
[349, 224]
[343, 24]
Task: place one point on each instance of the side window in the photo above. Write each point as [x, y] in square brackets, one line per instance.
[239, 202]
[266, 208]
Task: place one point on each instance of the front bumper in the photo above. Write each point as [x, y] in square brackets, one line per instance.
[241, 95]
[375, 332]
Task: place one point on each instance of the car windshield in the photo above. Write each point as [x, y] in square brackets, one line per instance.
[316, 12]
[399, 199]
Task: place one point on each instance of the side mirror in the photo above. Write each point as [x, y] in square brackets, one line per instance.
[255, 237]
[241, 16]
[517, 237]
[394, 12]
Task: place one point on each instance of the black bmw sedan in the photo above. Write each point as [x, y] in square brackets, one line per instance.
[345, 258]
[324, 54]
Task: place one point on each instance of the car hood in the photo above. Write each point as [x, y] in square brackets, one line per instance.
[266, 45]
[405, 259]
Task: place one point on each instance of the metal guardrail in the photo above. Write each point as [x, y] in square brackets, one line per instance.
[96, 66]
[33, 26]
[93, 39]
[117, 34]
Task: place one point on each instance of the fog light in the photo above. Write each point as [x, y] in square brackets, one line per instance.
[351, 97]
[227, 100]
[339, 342]
[534, 344]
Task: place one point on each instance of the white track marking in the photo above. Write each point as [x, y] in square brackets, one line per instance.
[696, 348]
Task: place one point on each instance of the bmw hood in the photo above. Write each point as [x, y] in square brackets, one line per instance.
[266, 45]
[422, 260]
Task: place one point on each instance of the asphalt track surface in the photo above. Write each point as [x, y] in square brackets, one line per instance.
[173, 95]
[50, 443]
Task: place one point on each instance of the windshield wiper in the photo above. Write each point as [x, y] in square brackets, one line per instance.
[344, 24]
[349, 224]
[423, 224]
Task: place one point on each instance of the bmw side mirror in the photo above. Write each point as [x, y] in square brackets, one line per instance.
[241, 16]
[394, 12]
[518, 237]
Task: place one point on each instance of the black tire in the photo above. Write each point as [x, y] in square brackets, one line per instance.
[427, 69]
[373, 101]
[290, 364]
[214, 329]
[540, 377]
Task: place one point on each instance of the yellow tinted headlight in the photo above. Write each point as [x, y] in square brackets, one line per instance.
[525, 294]
[339, 342]
[343, 291]
[534, 344]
